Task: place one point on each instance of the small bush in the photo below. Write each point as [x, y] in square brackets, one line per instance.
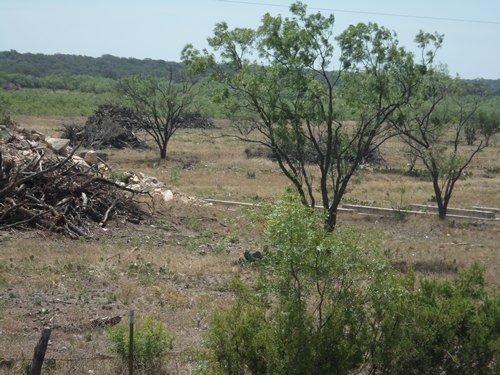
[175, 175]
[151, 341]
[251, 174]
[119, 176]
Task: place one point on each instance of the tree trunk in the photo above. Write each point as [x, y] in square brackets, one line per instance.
[331, 219]
[163, 152]
[442, 211]
[442, 206]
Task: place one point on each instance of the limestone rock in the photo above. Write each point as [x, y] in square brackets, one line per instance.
[57, 144]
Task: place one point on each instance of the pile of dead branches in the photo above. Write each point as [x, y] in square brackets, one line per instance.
[109, 126]
[105, 112]
[41, 190]
[196, 120]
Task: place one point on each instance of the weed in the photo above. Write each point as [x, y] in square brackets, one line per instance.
[193, 223]
[142, 269]
[400, 213]
[175, 175]
[119, 176]
[221, 245]
[151, 341]
[251, 174]
[191, 244]
[111, 297]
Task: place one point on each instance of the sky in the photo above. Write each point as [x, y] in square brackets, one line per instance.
[159, 29]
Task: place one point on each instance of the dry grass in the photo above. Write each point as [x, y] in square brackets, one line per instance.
[180, 270]
[49, 125]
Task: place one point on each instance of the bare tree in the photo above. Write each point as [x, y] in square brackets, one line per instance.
[158, 105]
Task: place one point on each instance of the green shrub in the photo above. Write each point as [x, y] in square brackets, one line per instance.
[251, 174]
[330, 303]
[151, 341]
[119, 176]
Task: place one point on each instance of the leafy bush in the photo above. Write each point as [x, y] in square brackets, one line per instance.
[330, 303]
[151, 341]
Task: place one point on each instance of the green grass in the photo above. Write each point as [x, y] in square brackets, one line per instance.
[42, 102]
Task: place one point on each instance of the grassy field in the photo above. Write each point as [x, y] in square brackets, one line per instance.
[179, 267]
[45, 102]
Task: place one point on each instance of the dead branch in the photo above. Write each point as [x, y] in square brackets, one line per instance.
[44, 191]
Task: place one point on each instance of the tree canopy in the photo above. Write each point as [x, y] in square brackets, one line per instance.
[287, 88]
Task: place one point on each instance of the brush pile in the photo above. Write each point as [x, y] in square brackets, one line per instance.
[196, 120]
[109, 126]
[43, 185]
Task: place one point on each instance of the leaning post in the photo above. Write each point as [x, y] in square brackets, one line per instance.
[39, 355]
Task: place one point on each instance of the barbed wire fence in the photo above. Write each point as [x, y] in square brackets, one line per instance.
[22, 364]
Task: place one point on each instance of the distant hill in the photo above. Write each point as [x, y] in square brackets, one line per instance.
[107, 66]
[44, 71]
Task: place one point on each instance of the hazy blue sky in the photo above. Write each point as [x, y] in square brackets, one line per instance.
[159, 29]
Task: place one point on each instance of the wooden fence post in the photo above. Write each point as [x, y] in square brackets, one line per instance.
[131, 344]
[39, 355]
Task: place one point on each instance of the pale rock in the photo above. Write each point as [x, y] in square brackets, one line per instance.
[57, 144]
[167, 195]
[135, 187]
[134, 179]
[80, 161]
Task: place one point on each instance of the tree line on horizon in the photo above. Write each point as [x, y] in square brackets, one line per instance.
[99, 74]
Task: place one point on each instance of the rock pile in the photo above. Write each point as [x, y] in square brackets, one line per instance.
[147, 184]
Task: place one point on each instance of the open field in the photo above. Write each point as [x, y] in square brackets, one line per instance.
[180, 269]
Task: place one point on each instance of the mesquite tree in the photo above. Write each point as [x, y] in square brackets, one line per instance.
[286, 88]
[432, 125]
[158, 105]
[488, 123]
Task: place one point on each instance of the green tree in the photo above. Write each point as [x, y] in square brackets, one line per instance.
[285, 89]
[432, 125]
[488, 123]
[158, 105]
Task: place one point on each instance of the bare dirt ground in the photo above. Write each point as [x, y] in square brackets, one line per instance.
[178, 267]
